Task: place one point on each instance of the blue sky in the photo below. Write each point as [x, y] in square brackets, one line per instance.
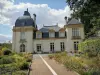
[55, 4]
[48, 12]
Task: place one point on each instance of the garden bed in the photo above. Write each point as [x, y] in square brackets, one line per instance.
[79, 64]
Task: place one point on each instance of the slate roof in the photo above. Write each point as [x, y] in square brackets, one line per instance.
[25, 20]
[45, 31]
[74, 21]
[47, 28]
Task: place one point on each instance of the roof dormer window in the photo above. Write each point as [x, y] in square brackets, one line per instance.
[51, 34]
[38, 34]
[61, 34]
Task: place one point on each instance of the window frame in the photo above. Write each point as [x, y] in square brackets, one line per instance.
[75, 32]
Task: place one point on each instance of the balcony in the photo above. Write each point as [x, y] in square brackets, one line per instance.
[76, 37]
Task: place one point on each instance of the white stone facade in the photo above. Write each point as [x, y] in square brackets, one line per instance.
[27, 37]
[31, 44]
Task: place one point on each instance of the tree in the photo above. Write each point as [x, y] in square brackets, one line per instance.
[89, 13]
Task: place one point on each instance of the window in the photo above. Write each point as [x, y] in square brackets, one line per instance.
[62, 46]
[22, 35]
[51, 34]
[62, 34]
[38, 35]
[75, 32]
[38, 47]
[22, 48]
[76, 45]
[52, 47]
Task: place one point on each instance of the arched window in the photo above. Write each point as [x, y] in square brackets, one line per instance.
[22, 48]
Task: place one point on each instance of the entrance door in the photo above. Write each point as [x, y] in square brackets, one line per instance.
[39, 48]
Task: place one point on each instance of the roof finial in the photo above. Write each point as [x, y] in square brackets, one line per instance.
[43, 25]
[27, 9]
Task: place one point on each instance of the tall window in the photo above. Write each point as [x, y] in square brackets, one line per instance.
[51, 34]
[52, 47]
[22, 35]
[22, 48]
[76, 45]
[38, 47]
[75, 32]
[62, 46]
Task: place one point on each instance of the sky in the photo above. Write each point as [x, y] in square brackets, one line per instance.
[49, 12]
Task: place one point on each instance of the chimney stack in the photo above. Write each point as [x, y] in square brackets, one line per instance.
[34, 15]
[65, 20]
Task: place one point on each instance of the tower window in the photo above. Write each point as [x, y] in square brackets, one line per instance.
[75, 32]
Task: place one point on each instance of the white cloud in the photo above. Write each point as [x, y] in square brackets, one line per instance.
[45, 14]
[9, 12]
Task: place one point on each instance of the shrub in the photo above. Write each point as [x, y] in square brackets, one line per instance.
[51, 56]
[1, 53]
[29, 59]
[90, 48]
[7, 60]
[20, 73]
[6, 52]
[24, 66]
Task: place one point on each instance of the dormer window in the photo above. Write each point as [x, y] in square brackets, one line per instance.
[51, 34]
[38, 34]
[62, 33]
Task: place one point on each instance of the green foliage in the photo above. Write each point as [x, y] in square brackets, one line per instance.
[20, 73]
[88, 11]
[50, 56]
[83, 66]
[6, 60]
[24, 66]
[6, 45]
[90, 48]
[1, 53]
[7, 52]
[18, 64]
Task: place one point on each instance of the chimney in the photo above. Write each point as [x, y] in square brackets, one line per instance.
[34, 17]
[65, 20]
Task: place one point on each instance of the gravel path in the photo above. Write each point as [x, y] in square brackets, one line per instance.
[40, 68]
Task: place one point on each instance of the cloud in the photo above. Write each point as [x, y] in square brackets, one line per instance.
[9, 12]
[45, 15]
[4, 38]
